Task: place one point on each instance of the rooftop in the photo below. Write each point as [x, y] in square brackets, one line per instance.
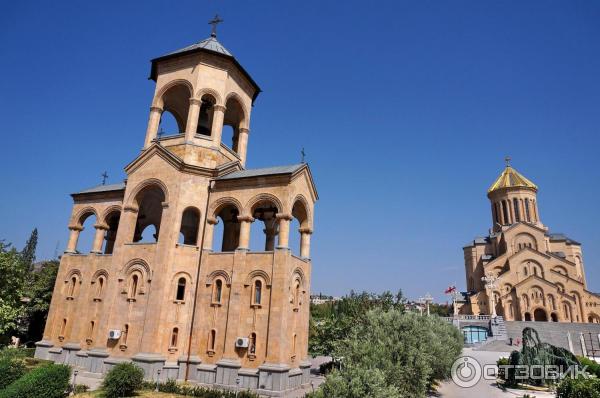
[511, 178]
[267, 171]
[103, 188]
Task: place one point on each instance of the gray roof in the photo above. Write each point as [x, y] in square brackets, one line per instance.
[267, 171]
[562, 237]
[210, 44]
[103, 188]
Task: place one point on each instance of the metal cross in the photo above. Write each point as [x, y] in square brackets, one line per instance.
[104, 177]
[303, 155]
[507, 160]
[214, 22]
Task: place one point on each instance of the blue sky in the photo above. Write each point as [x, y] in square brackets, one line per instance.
[406, 111]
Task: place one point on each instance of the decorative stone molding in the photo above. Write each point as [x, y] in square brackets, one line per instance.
[195, 101]
[212, 220]
[219, 108]
[284, 216]
[219, 273]
[306, 230]
[131, 209]
[76, 228]
[245, 218]
[102, 226]
[244, 130]
[156, 109]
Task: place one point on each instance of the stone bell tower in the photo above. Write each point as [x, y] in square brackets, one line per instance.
[172, 282]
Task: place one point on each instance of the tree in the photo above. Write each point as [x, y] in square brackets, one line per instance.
[403, 352]
[28, 252]
[13, 274]
[39, 291]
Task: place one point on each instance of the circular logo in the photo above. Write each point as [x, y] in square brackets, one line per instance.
[466, 372]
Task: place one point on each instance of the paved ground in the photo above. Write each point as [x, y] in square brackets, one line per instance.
[484, 388]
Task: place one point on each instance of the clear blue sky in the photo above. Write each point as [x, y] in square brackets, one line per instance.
[406, 111]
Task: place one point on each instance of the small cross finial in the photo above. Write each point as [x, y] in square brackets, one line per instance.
[104, 177]
[214, 22]
[302, 155]
[507, 159]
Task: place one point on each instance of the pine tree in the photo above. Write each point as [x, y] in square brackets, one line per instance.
[28, 252]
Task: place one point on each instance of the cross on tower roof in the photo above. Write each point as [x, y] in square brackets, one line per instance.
[507, 159]
[104, 177]
[214, 22]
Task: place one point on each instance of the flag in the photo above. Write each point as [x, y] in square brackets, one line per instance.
[450, 289]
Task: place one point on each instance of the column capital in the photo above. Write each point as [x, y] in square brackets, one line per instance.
[245, 218]
[156, 109]
[131, 209]
[244, 130]
[219, 108]
[212, 220]
[306, 230]
[283, 216]
[76, 227]
[101, 226]
[195, 101]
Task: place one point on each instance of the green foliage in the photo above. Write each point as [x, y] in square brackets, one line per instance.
[80, 389]
[578, 388]
[28, 252]
[333, 321]
[502, 371]
[39, 291]
[13, 274]
[172, 387]
[593, 367]
[50, 381]
[123, 380]
[11, 369]
[392, 353]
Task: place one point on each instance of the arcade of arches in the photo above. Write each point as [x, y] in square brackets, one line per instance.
[537, 276]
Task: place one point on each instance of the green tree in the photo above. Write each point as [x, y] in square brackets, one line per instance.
[13, 275]
[28, 252]
[39, 291]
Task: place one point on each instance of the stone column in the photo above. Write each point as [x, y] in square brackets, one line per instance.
[192, 121]
[153, 122]
[99, 238]
[305, 242]
[217, 124]
[73, 238]
[270, 232]
[209, 233]
[245, 221]
[284, 230]
[243, 144]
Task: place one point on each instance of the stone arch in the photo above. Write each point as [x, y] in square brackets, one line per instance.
[108, 211]
[175, 283]
[158, 98]
[551, 302]
[258, 274]
[228, 210]
[100, 272]
[189, 226]
[207, 90]
[83, 214]
[298, 274]
[261, 198]
[73, 281]
[235, 96]
[210, 279]
[507, 288]
[303, 211]
[74, 272]
[593, 318]
[137, 265]
[221, 203]
[524, 240]
[561, 270]
[578, 306]
[540, 315]
[536, 294]
[554, 317]
[560, 287]
[131, 202]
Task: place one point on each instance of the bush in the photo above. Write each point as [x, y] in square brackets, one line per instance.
[49, 381]
[171, 387]
[10, 370]
[80, 389]
[578, 388]
[123, 380]
[593, 367]
[502, 371]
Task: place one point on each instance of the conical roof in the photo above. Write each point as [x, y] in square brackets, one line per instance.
[511, 178]
[210, 44]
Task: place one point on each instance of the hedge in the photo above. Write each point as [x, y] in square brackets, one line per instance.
[123, 380]
[10, 370]
[49, 381]
[579, 388]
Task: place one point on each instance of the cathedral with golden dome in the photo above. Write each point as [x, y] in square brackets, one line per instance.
[520, 270]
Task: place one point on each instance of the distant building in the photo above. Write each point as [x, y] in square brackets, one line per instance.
[533, 274]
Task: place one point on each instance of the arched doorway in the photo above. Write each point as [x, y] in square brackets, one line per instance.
[527, 316]
[539, 315]
[554, 317]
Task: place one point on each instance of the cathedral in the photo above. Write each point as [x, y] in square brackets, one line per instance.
[520, 270]
[170, 282]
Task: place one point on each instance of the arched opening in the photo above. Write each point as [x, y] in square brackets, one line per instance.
[150, 202]
[227, 231]
[252, 344]
[72, 287]
[257, 294]
[540, 315]
[554, 317]
[218, 291]
[505, 212]
[124, 335]
[205, 118]
[112, 220]
[99, 287]
[294, 338]
[180, 296]
[63, 328]
[300, 228]
[174, 336]
[527, 316]
[517, 210]
[560, 287]
[176, 104]
[551, 302]
[85, 242]
[527, 211]
[593, 318]
[568, 312]
[561, 270]
[190, 223]
[296, 294]
[232, 122]
[265, 227]
[91, 332]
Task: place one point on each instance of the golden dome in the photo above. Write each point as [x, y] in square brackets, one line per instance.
[511, 178]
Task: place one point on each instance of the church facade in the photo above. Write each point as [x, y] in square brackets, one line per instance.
[171, 283]
[530, 274]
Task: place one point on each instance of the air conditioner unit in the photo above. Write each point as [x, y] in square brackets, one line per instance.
[114, 334]
[241, 342]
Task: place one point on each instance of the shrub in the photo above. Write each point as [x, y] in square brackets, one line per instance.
[502, 371]
[578, 388]
[49, 381]
[123, 380]
[593, 367]
[10, 370]
[171, 387]
[80, 389]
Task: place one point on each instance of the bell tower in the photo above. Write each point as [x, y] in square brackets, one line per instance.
[210, 96]
[514, 199]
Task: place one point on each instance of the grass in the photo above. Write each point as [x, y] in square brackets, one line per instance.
[143, 394]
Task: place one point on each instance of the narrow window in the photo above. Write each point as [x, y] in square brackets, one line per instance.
[294, 345]
[211, 340]
[100, 287]
[505, 212]
[218, 290]
[180, 289]
[297, 294]
[517, 211]
[63, 327]
[257, 292]
[72, 287]
[252, 348]
[527, 214]
[133, 286]
[174, 335]
[91, 331]
[525, 271]
[124, 334]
